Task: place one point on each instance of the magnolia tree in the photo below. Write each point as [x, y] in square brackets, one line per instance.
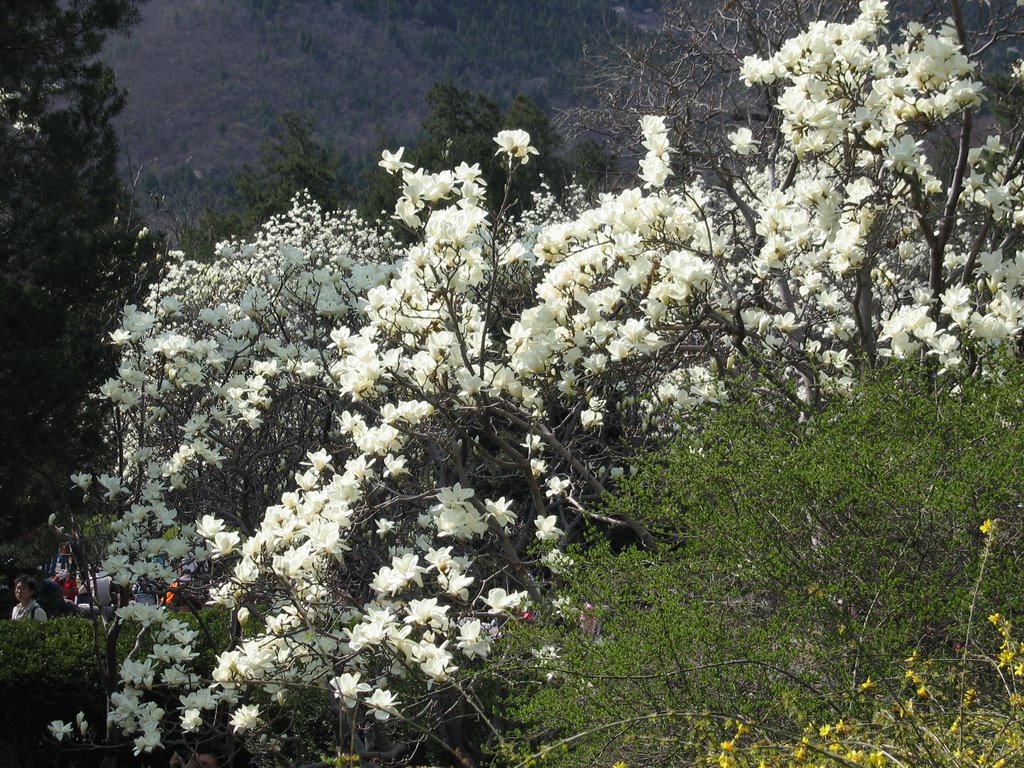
[382, 448]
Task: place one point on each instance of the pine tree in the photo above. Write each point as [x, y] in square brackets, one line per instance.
[70, 250]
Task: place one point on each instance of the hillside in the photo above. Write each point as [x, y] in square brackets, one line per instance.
[206, 79]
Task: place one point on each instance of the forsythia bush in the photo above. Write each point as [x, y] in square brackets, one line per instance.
[963, 713]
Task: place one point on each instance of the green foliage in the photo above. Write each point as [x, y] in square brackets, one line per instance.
[71, 253]
[49, 670]
[309, 724]
[291, 161]
[459, 127]
[954, 712]
[593, 165]
[800, 558]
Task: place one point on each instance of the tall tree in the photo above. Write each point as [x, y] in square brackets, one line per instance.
[70, 248]
[291, 161]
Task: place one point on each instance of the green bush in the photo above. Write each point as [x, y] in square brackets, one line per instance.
[48, 672]
[801, 557]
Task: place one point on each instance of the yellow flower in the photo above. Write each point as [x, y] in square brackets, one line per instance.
[988, 526]
[867, 684]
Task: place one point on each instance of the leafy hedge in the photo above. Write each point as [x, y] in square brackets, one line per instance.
[802, 558]
[48, 672]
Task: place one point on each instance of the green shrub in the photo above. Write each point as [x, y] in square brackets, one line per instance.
[48, 672]
[801, 557]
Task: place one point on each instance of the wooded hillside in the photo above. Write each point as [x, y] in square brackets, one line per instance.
[207, 79]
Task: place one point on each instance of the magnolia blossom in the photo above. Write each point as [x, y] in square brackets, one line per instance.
[547, 528]
[245, 717]
[59, 729]
[349, 688]
[515, 144]
[499, 600]
[383, 703]
[742, 141]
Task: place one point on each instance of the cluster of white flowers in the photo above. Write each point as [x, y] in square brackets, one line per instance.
[13, 117]
[379, 446]
[656, 166]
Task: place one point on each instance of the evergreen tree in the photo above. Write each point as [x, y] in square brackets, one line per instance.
[460, 127]
[70, 248]
[291, 161]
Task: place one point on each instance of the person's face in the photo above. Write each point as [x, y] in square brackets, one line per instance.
[22, 593]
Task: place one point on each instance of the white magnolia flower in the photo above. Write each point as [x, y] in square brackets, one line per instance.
[473, 641]
[742, 141]
[225, 542]
[245, 718]
[515, 144]
[148, 741]
[547, 528]
[59, 729]
[191, 720]
[82, 480]
[500, 601]
[383, 703]
[392, 161]
[348, 688]
[113, 485]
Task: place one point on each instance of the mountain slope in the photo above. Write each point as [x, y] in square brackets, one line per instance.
[206, 79]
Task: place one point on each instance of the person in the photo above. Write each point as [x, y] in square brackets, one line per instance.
[94, 595]
[65, 559]
[50, 596]
[27, 607]
[67, 583]
[181, 592]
